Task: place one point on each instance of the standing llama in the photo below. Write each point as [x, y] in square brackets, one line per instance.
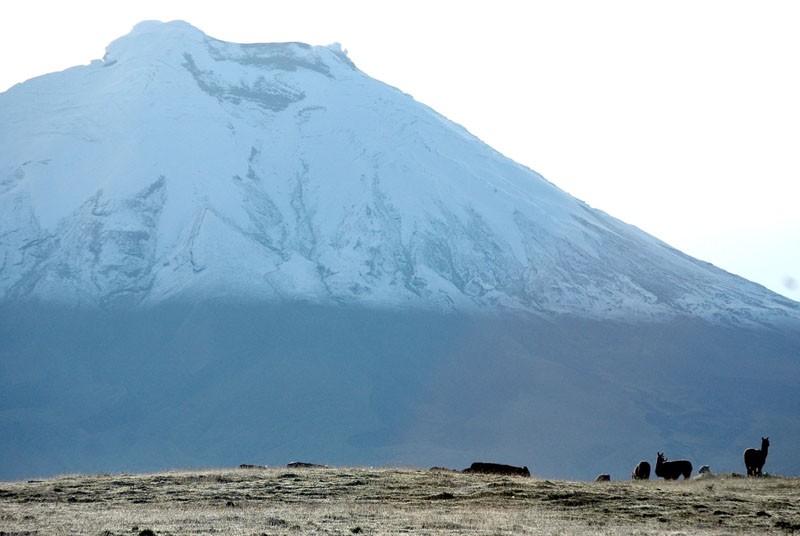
[754, 459]
[672, 470]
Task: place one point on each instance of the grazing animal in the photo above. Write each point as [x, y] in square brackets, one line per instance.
[754, 459]
[672, 470]
[641, 471]
[705, 470]
[497, 469]
[605, 477]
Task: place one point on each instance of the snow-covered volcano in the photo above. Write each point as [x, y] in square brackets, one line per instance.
[180, 166]
[186, 179]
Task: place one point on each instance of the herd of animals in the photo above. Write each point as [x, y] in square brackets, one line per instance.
[754, 460]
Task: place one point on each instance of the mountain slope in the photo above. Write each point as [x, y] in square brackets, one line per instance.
[215, 253]
[182, 166]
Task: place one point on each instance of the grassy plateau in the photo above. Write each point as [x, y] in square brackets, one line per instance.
[291, 501]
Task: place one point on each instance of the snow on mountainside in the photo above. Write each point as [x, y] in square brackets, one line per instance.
[181, 166]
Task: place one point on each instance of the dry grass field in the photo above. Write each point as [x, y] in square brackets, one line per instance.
[283, 501]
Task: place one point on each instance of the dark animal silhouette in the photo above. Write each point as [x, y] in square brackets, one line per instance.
[497, 469]
[672, 470]
[641, 471]
[605, 477]
[754, 459]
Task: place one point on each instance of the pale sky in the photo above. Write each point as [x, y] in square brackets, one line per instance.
[679, 117]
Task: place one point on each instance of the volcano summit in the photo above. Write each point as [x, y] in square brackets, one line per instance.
[214, 253]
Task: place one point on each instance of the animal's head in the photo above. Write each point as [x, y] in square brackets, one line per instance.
[764, 442]
[661, 457]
